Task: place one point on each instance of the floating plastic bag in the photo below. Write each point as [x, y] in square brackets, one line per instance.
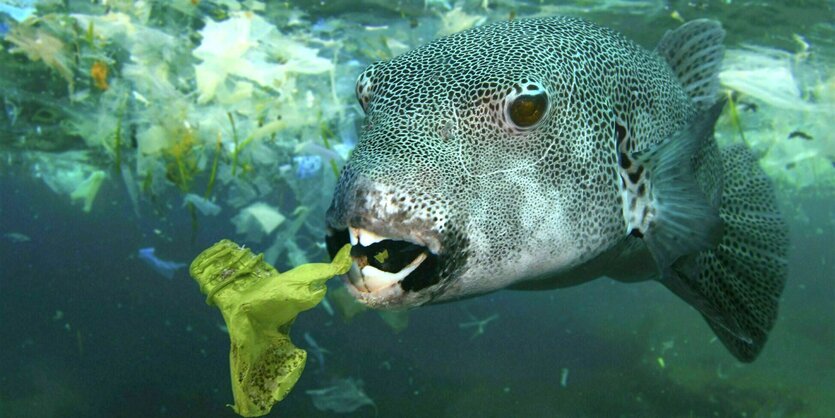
[257, 220]
[259, 305]
[89, 189]
[343, 396]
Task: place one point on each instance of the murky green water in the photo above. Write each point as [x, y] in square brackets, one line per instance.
[130, 125]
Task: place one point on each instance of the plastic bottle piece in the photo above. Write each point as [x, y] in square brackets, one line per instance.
[259, 305]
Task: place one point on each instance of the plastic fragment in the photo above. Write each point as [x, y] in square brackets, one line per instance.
[259, 305]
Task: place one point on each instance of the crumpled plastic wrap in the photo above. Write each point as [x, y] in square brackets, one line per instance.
[259, 305]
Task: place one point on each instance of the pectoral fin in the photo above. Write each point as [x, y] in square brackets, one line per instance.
[664, 204]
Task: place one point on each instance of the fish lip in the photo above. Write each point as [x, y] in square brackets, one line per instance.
[390, 296]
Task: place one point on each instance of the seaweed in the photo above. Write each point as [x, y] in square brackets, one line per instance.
[734, 114]
[213, 172]
[117, 136]
[327, 133]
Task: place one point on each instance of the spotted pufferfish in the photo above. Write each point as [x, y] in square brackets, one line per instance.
[543, 153]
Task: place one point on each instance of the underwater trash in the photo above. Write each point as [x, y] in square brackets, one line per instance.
[163, 267]
[326, 305]
[307, 166]
[317, 350]
[203, 205]
[16, 237]
[396, 320]
[20, 11]
[766, 74]
[257, 220]
[88, 189]
[247, 46]
[131, 187]
[39, 45]
[478, 324]
[457, 20]
[259, 306]
[343, 396]
[347, 305]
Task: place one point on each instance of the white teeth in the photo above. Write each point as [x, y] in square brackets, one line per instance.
[354, 234]
[363, 236]
[368, 238]
[375, 279]
[356, 277]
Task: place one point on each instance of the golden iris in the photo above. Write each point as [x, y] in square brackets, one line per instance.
[527, 110]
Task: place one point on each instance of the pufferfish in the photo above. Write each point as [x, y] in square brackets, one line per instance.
[543, 153]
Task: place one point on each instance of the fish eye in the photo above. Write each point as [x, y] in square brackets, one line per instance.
[527, 105]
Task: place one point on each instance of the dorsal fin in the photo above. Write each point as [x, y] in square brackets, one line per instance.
[694, 51]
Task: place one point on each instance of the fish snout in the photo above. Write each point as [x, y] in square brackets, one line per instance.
[396, 252]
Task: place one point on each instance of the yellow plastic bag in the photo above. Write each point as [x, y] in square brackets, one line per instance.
[259, 306]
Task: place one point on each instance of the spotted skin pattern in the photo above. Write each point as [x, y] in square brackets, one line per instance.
[439, 162]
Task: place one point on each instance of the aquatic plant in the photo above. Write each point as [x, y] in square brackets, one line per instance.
[182, 164]
[213, 173]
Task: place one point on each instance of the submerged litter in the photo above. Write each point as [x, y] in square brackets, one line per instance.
[317, 350]
[89, 189]
[257, 220]
[259, 306]
[479, 324]
[766, 74]
[342, 396]
[20, 12]
[203, 205]
[396, 320]
[164, 267]
[16, 237]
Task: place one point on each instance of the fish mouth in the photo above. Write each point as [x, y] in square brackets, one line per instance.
[384, 269]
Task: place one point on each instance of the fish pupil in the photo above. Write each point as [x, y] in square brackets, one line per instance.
[528, 109]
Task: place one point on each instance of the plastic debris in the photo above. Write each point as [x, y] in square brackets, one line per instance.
[259, 306]
[307, 166]
[20, 12]
[203, 205]
[16, 237]
[317, 350]
[457, 20]
[346, 305]
[479, 324]
[766, 74]
[246, 45]
[257, 220]
[396, 320]
[164, 267]
[343, 396]
[39, 45]
[89, 189]
[326, 305]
